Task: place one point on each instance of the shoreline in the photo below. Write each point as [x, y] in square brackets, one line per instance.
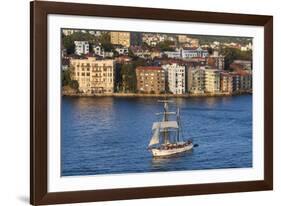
[157, 95]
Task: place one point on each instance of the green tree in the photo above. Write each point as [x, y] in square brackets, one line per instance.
[65, 78]
[74, 84]
[108, 47]
[128, 75]
[68, 41]
[68, 44]
[139, 62]
[81, 36]
[210, 50]
[131, 54]
[104, 39]
[165, 45]
[232, 54]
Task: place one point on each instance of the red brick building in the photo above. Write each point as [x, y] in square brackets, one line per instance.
[150, 80]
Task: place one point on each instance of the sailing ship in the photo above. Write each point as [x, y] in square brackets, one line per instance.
[167, 135]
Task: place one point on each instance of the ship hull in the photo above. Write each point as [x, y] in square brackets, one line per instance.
[156, 152]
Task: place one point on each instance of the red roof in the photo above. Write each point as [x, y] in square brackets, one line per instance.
[149, 68]
[243, 73]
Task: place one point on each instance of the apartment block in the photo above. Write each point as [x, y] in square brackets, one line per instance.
[94, 76]
[212, 80]
[235, 82]
[245, 82]
[150, 79]
[226, 83]
[175, 78]
[121, 38]
[196, 80]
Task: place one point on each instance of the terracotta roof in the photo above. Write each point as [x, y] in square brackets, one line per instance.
[149, 68]
[243, 73]
[224, 73]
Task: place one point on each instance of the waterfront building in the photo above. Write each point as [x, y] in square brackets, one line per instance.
[175, 78]
[81, 47]
[226, 82]
[94, 76]
[196, 80]
[150, 80]
[212, 80]
[121, 38]
[235, 82]
[245, 82]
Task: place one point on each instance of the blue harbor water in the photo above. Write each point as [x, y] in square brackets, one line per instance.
[110, 135]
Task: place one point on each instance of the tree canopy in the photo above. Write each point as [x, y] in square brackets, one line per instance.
[166, 45]
[232, 54]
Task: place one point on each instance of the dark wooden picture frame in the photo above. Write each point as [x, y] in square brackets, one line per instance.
[39, 113]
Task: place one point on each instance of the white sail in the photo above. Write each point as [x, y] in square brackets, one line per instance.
[155, 137]
[170, 144]
[165, 125]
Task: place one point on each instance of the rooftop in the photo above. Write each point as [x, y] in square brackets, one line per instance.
[149, 68]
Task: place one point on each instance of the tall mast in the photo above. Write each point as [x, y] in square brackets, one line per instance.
[165, 118]
[178, 120]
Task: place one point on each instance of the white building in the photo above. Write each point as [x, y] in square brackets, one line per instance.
[173, 54]
[191, 53]
[212, 80]
[176, 78]
[81, 47]
[98, 50]
[122, 50]
[188, 53]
